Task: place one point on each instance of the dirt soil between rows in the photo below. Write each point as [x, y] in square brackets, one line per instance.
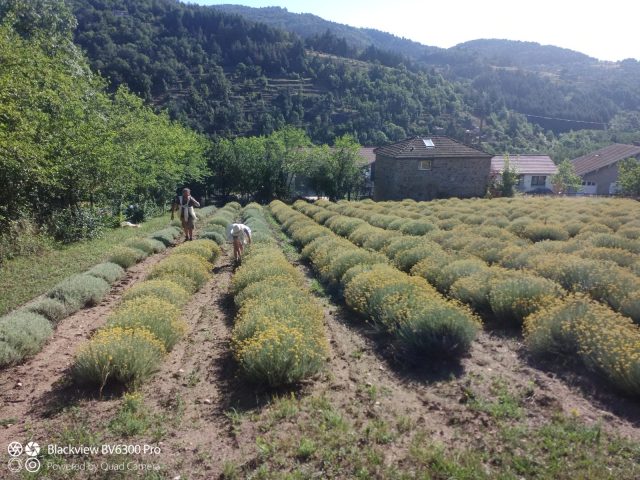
[216, 407]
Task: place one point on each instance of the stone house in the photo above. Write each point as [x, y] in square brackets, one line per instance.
[534, 171]
[599, 169]
[424, 168]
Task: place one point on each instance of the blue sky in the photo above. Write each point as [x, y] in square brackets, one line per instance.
[605, 30]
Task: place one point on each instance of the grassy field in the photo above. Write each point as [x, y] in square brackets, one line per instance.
[24, 278]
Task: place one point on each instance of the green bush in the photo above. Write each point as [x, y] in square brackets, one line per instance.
[80, 291]
[166, 235]
[127, 356]
[514, 298]
[126, 256]
[185, 270]
[158, 316]
[206, 249]
[343, 261]
[147, 245]
[400, 243]
[537, 232]
[109, 272]
[406, 259]
[53, 310]
[417, 227]
[453, 271]
[22, 334]
[167, 290]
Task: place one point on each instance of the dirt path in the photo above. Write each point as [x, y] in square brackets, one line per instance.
[28, 390]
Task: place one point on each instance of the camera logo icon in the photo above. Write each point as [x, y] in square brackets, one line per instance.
[32, 449]
[14, 449]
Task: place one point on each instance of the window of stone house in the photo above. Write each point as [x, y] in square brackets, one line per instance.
[424, 165]
[538, 180]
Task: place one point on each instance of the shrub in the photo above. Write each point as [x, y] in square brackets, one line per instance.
[429, 267]
[343, 261]
[537, 232]
[222, 230]
[52, 309]
[124, 355]
[158, 316]
[109, 272]
[147, 245]
[436, 330]
[275, 266]
[378, 240]
[166, 235]
[417, 227]
[279, 355]
[185, 266]
[304, 235]
[514, 298]
[167, 290]
[80, 291]
[406, 259]
[458, 269]
[621, 257]
[267, 288]
[215, 236]
[22, 333]
[474, 289]
[615, 241]
[206, 249]
[343, 226]
[126, 256]
[400, 243]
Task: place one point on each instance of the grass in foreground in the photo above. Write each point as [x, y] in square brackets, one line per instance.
[24, 278]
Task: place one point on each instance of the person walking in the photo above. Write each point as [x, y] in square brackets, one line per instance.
[240, 235]
[184, 204]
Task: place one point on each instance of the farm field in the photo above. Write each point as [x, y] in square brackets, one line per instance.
[448, 339]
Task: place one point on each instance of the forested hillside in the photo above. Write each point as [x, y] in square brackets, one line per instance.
[225, 75]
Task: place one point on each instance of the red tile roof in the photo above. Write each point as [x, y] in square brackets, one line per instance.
[444, 147]
[604, 157]
[526, 164]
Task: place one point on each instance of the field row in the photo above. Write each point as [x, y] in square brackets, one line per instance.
[421, 323]
[278, 336]
[25, 331]
[556, 322]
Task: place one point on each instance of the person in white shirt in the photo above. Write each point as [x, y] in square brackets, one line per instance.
[240, 235]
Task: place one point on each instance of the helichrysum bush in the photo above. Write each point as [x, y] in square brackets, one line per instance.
[166, 235]
[124, 355]
[451, 272]
[189, 267]
[537, 231]
[109, 272]
[167, 290]
[50, 308]
[217, 237]
[401, 243]
[333, 271]
[80, 291]
[514, 298]
[22, 333]
[275, 266]
[126, 256]
[406, 259]
[417, 227]
[604, 340]
[158, 316]
[474, 289]
[207, 249]
[147, 245]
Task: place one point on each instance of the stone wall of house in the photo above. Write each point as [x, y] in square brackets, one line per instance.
[603, 178]
[396, 179]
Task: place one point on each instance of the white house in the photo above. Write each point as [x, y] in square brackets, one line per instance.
[534, 171]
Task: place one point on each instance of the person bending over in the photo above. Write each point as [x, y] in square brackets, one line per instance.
[240, 235]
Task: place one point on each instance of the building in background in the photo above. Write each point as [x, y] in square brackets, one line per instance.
[424, 168]
[599, 169]
[534, 171]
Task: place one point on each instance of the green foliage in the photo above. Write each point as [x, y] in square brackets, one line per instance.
[80, 291]
[208, 250]
[109, 272]
[147, 245]
[53, 310]
[191, 271]
[508, 178]
[166, 235]
[126, 257]
[167, 290]
[514, 298]
[127, 356]
[22, 334]
[157, 315]
[629, 176]
[566, 180]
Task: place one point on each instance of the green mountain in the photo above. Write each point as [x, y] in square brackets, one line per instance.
[227, 74]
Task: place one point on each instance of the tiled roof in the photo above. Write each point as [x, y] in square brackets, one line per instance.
[604, 157]
[526, 164]
[443, 147]
[368, 154]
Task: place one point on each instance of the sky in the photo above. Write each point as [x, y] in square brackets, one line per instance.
[604, 30]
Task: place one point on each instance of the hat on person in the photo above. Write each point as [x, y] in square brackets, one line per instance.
[236, 229]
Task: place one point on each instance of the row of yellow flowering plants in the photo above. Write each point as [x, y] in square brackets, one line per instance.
[421, 322]
[278, 337]
[147, 323]
[573, 325]
[25, 331]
